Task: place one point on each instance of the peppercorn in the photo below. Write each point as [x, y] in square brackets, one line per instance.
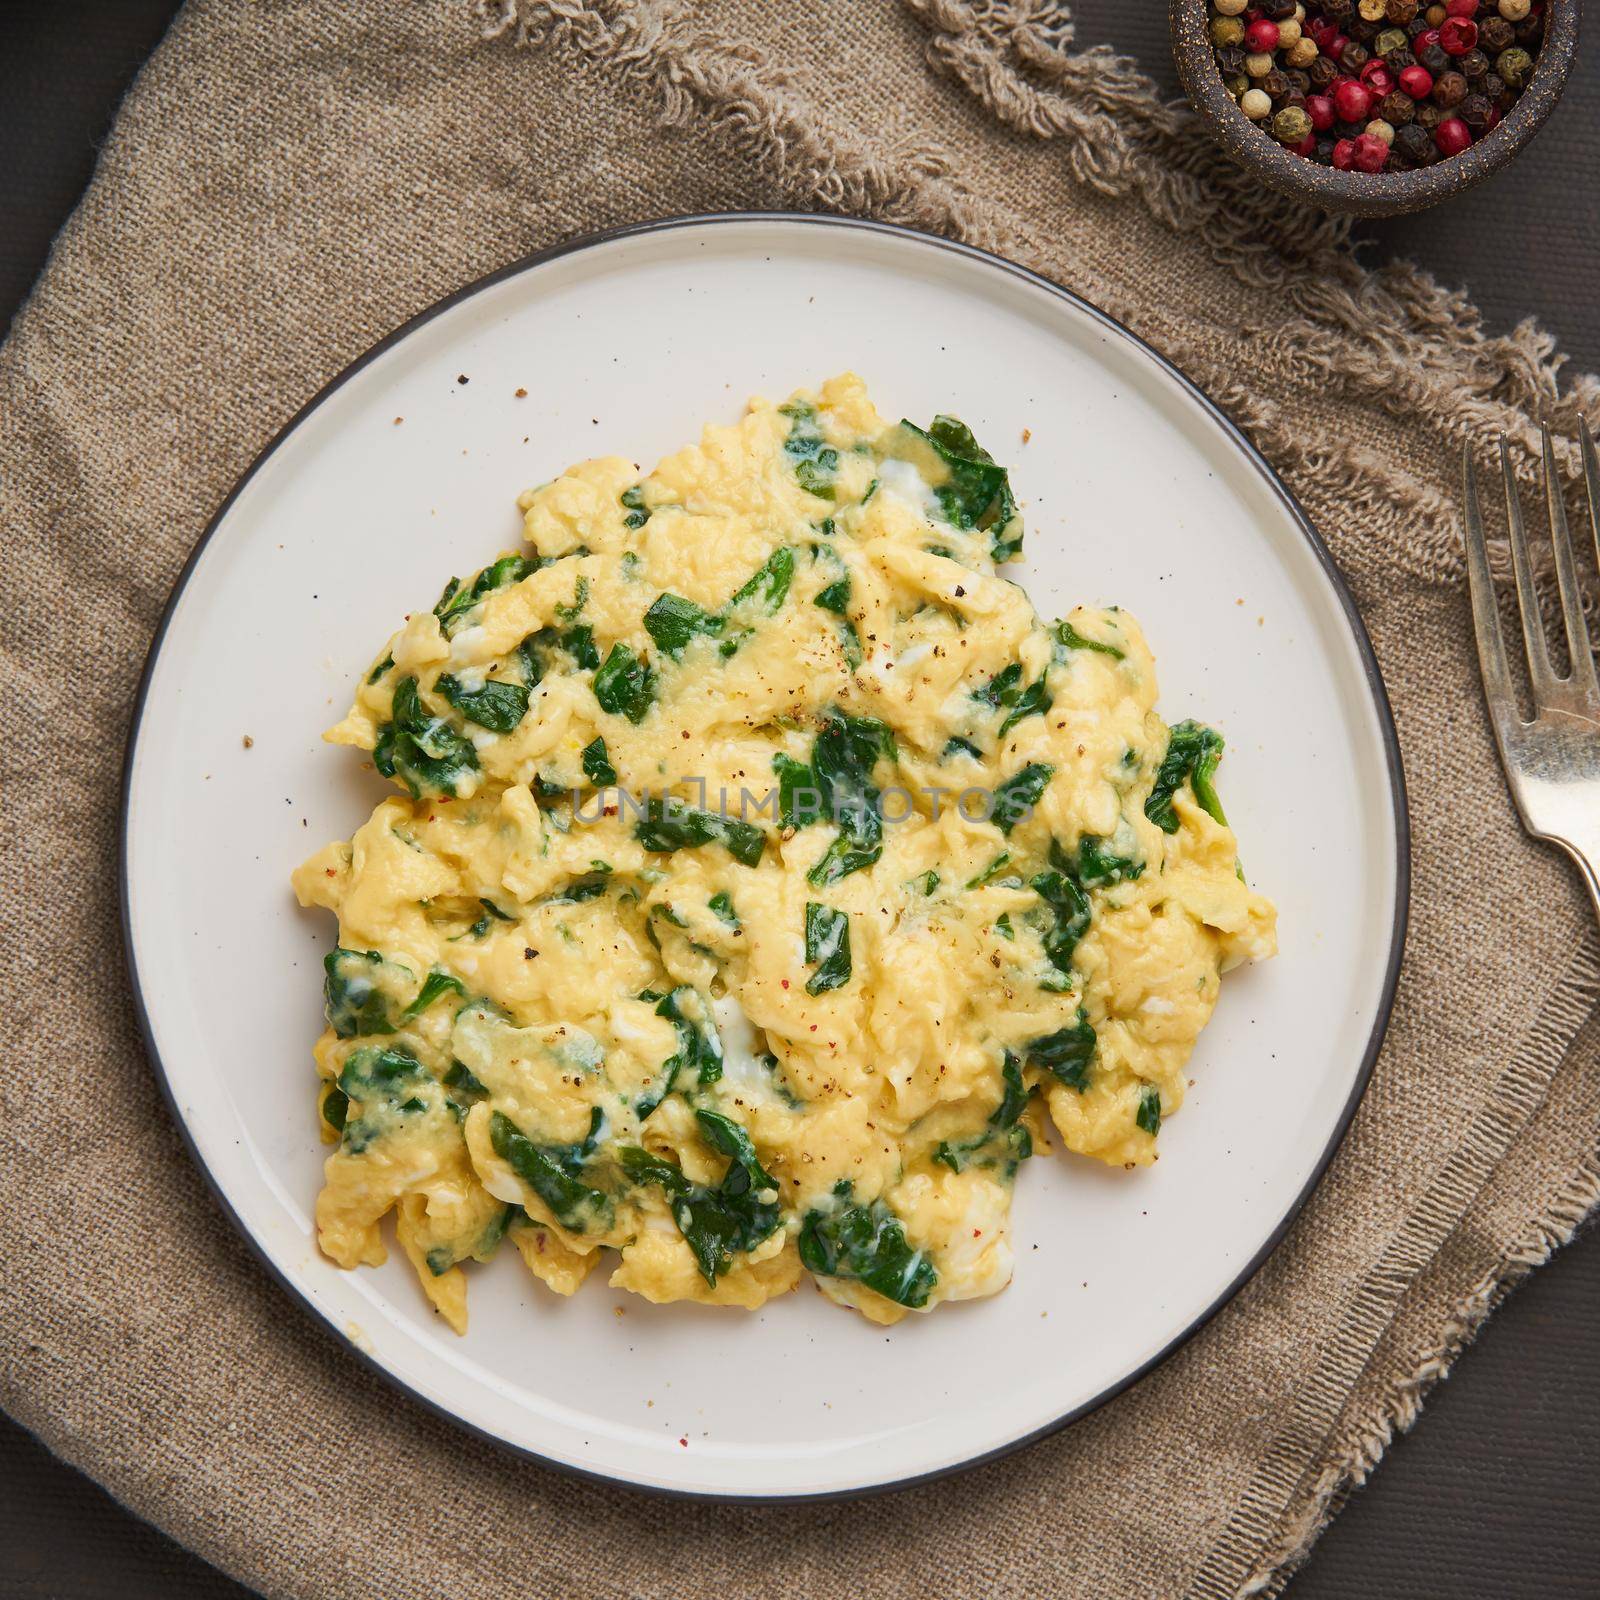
[1322, 152]
[1299, 85]
[1322, 72]
[1429, 116]
[1434, 59]
[1370, 10]
[1400, 12]
[1230, 60]
[1291, 125]
[1514, 66]
[1275, 84]
[1255, 104]
[1371, 153]
[1513, 10]
[1417, 25]
[1475, 111]
[1361, 31]
[1473, 66]
[1280, 10]
[1236, 85]
[1387, 42]
[1398, 60]
[1529, 33]
[1435, 15]
[1495, 34]
[1494, 90]
[1457, 35]
[1415, 145]
[1302, 53]
[1353, 57]
[1225, 30]
[1452, 136]
[1338, 10]
[1397, 108]
[1379, 129]
[1349, 130]
[1449, 90]
[1289, 33]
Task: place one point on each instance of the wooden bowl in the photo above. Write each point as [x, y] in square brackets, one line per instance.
[1369, 194]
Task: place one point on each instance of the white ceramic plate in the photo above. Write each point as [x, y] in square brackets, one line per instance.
[1136, 491]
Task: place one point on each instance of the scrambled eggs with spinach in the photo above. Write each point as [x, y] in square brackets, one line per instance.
[763, 880]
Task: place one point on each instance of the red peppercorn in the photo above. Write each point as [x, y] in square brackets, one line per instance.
[1371, 153]
[1452, 136]
[1417, 82]
[1344, 155]
[1261, 38]
[1335, 45]
[1377, 79]
[1306, 146]
[1457, 35]
[1351, 101]
[1461, 8]
[1321, 109]
[1427, 38]
[1493, 119]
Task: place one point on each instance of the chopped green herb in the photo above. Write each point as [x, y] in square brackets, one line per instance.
[827, 947]
[816, 463]
[1097, 865]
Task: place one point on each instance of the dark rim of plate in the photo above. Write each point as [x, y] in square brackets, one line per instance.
[1380, 701]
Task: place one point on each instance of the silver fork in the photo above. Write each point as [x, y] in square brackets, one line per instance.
[1553, 762]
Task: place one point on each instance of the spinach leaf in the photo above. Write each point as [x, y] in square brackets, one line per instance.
[1034, 701]
[633, 502]
[993, 871]
[716, 1223]
[624, 685]
[580, 598]
[1067, 1052]
[458, 599]
[1149, 1113]
[496, 706]
[577, 642]
[1069, 909]
[768, 588]
[673, 621]
[433, 986]
[800, 796]
[1004, 1143]
[1003, 688]
[442, 1257]
[816, 463]
[843, 760]
[836, 597]
[925, 883]
[383, 1084]
[668, 824]
[866, 1243]
[1193, 751]
[554, 1171]
[827, 947]
[1098, 866]
[976, 492]
[356, 989]
[1017, 795]
[597, 766]
[380, 668]
[465, 1090]
[420, 749]
[335, 1108]
[721, 904]
[699, 1045]
[1070, 639]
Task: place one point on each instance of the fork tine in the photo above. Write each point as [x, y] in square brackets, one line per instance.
[1539, 673]
[1497, 688]
[1582, 672]
[1591, 480]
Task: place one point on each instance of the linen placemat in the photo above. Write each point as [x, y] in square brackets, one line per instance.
[289, 181]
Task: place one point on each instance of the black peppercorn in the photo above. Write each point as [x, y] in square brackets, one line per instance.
[1279, 10]
[1361, 31]
[1417, 25]
[1530, 32]
[1395, 162]
[1398, 60]
[1476, 112]
[1495, 34]
[1397, 108]
[1400, 12]
[1428, 117]
[1435, 59]
[1354, 57]
[1322, 72]
[1473, 66]
[1416, 145]
[1337, 10]
[1349, 130]
[1299, 83]
[1495, 91]
[1275, 84]
[1449, 90]
[1230, 59]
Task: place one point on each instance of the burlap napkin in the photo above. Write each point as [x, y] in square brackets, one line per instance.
[289, 181]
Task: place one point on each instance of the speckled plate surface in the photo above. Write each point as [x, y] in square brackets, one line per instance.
[1135, 490]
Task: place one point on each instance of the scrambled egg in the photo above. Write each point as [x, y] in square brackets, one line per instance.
[765, 879]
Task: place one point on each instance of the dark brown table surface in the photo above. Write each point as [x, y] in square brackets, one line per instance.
[1497, 1491]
